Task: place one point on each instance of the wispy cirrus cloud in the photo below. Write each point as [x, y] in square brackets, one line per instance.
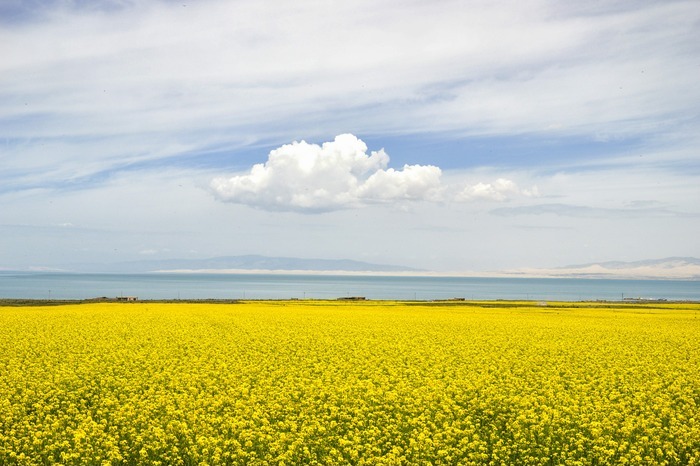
[584, 211]
[113, 109]
[88, 86]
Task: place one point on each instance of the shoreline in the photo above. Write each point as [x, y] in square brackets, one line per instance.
[623, 274]
[689, 273]
[29, 302]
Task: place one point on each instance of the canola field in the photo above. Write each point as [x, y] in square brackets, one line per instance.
[360, 383]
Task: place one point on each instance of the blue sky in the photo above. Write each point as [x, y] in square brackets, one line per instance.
[447, 135]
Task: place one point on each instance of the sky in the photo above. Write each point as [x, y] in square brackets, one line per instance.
[443, 135]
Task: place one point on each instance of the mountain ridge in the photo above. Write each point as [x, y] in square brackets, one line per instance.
[243, 262]
[667, 262]
[669, 268]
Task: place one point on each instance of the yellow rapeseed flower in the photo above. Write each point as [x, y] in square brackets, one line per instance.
[320, 382]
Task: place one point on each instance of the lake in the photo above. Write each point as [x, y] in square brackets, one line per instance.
[34, 285]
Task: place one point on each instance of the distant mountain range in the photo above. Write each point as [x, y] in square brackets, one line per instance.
[240, 263]
[666, 263]
[680, 268]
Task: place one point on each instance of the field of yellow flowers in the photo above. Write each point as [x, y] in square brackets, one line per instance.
[314, 382]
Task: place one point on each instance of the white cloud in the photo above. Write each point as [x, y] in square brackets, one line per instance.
[500, 190]
[341, 174]
[336, 175]
[414, 182]
[83, 91]
[169, 209]
[99, 109]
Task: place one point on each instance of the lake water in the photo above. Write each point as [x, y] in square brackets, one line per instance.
[275, 286]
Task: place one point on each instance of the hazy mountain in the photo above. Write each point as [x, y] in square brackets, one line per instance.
[249, 262]
[666, 263]
[680, 268]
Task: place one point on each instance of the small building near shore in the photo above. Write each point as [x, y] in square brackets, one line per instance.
[127, 298]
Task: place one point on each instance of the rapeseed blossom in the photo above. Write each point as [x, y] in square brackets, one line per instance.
[314, 382]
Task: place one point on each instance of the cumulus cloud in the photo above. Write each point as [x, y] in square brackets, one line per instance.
[335, 175]
[500, 190]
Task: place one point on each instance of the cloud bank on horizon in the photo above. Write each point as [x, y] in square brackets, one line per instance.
[515, 133]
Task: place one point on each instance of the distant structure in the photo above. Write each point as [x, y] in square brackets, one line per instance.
[127, 298]
[352, 298]
[644, 300]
